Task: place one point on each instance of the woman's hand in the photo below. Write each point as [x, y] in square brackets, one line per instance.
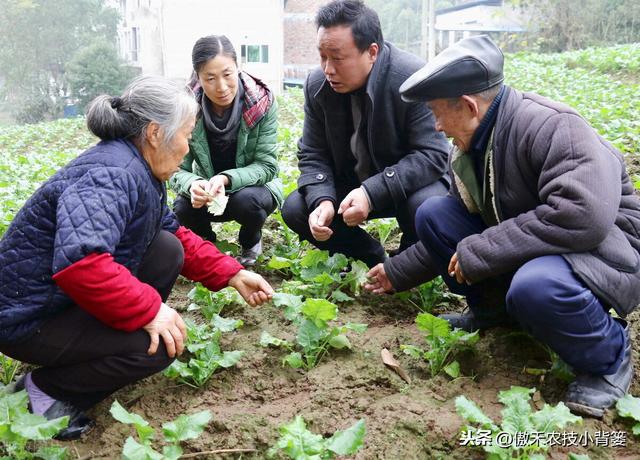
[169, 325]
[200, 191]
[253, 288]
[217, 184]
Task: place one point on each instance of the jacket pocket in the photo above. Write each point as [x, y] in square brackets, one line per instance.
[617, 252]
[311, 178]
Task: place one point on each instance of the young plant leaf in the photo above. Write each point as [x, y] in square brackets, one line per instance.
[37, 427]
[52, 453]
[452, 369]
[434, 326]
[349, 441]
[226, 325]
[319, 311]
[298, 442]
[294, 359]
[267, 339]
[186, 426]
[133, 450]
[470, 412]
[340, 341]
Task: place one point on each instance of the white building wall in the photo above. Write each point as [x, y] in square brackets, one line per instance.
[169, 28]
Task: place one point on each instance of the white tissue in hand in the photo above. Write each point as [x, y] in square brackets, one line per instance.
[218, 204]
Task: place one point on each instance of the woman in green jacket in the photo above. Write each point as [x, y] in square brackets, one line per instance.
[233, 150]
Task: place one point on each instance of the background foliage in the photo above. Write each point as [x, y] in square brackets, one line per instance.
[39, 39]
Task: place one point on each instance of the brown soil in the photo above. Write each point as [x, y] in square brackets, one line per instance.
[416, 421]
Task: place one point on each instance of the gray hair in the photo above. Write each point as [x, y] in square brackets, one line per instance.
[488, 95]
[146, 99]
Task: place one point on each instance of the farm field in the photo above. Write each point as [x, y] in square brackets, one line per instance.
[309, 353]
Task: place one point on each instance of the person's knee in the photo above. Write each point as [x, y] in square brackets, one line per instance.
[173, 250]
[415, 200]
[427, 216]
[253, 203]
[294, 212]
[534, 289]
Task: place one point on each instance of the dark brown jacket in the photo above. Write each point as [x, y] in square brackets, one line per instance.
[559, 188]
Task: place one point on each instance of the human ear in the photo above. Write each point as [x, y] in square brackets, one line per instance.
[153, 134]
[471, 105]
[373, 51]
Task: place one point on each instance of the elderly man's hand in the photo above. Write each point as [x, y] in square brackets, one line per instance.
[378, 281]
[169, 325]
[253, 288]
[455, 270]
[355, 207]
[320, 219]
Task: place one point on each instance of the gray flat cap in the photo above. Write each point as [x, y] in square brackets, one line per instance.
[466, 67]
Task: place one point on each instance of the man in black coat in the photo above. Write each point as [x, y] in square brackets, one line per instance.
[364, 153]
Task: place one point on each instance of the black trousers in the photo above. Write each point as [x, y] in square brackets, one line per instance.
[83, 360]
[249, 206]
[354, 241]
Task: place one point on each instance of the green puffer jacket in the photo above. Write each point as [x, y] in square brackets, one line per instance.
[256, 152]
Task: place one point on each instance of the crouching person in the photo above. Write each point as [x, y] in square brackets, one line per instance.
[542, 228]
[89, 261]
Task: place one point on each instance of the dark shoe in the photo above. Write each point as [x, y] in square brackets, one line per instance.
[79, 423]
[249, 256]
[591, 394]
[468, 322]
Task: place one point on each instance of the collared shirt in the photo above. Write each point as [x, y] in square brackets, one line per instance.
[473, 166]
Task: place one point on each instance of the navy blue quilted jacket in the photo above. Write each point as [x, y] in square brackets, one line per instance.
[104, 201]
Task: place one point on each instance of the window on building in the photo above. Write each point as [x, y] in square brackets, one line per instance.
[254, 53]
[135, 44]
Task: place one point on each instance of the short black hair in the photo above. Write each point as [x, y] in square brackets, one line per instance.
[363, 21]
[207, 48]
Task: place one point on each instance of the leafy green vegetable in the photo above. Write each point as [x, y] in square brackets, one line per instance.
[321, 275]
[629, 406]
[298, 443]
[443, 344]
[181, 429]
[19, 429]
[315, 336]
[522, 425]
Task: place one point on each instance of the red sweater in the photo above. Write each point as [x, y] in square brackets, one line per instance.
[111, 293]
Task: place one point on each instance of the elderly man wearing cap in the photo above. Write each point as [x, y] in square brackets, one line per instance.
[364, 153]
[542, 228]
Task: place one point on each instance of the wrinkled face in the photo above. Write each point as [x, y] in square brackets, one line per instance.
[166, 158]
[344, 65]
[219, 80]
[455, 120]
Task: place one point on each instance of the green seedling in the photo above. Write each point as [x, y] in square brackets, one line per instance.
[19, 429]
[519, 421]
[298, 443]
[629, 407]
[382, 228]
[319, 275]
[315, 335]
[211, 303]
[429, 295]
[443, 343]
[203, 342]
[8, 369]
[181, 429]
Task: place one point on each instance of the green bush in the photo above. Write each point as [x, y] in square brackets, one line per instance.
[97, 69]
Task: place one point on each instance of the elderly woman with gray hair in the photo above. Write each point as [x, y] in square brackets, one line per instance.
[89, 261]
